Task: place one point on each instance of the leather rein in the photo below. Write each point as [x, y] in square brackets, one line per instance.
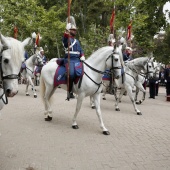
[110, 72]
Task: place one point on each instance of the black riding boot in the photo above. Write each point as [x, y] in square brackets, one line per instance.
[69, 94]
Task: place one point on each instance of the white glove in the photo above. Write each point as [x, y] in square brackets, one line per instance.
[159, 81]
[156, 82]
[82, 58]
[165, 81]
[68, 26]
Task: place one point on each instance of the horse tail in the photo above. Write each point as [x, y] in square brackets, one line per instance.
[42, 88]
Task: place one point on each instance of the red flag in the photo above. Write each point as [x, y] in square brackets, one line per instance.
[37, 39]
[112, 21]
[129, 30]
[15, 32]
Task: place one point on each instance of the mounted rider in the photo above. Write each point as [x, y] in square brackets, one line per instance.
[111, 40]
[127, 55]
[76, 54]
[41, 54]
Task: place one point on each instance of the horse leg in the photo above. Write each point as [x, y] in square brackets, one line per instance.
[141, 88]
[115, 94]
[96, 98]
[33, 87]
[37, 79]
[92, 103]
[136, 95]
[105, 89]
[48, 110]
[118, 99]
[26, 91]
[103, 95]
[130, 94]
[78, 106]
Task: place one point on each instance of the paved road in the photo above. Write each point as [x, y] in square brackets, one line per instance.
[27, 142]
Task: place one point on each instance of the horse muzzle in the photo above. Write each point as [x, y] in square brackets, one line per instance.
[10, 93]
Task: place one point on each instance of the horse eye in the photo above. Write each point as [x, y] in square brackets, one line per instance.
[6, 61]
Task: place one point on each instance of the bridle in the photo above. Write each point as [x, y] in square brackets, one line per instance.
[36, 59]
[2, 77]
[109, 72]
[157, 70]
[142, 74]
[33, 61]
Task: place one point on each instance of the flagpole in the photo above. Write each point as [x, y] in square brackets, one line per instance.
[129, 32]
[112, 31]
[68, 71]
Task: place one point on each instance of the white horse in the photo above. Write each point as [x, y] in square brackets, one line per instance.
[132, 70]
[11, 58]
[91, 84]
[142, 78]
[28, 72]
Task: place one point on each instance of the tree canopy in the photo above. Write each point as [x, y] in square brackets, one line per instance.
[92, 18]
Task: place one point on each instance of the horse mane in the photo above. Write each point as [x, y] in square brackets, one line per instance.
[17, 50]
[1, 46]
[140, 62]
[101, 52]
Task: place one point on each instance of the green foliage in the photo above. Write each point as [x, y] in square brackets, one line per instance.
[92, 19]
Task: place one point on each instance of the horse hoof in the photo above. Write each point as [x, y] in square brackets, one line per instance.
[139, 113]
[27, 95]
[106, 132]
[93, 107]
[48, 118]
[75, 127]
[104, 98]
[117, 109]
[35, 96]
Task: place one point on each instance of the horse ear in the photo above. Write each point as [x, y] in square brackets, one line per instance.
[114, 47]
[151, 59]
[26, 41]
[4, 41]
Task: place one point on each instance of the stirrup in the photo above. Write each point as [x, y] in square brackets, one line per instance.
[72, 95]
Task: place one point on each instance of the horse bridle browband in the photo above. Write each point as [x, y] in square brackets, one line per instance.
[101, 72]
[2, 78]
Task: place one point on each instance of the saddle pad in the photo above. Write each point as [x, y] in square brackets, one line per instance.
[23, 66]
[106, 76]
[60, 76]
[37, 70]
